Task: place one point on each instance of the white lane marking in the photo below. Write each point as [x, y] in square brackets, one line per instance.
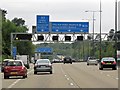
[117, 78]
[65, 75]
[108, 75]
[71, 84]
[68, 79]
[14, 83]
[10, 86]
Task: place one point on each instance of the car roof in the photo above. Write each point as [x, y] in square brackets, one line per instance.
[16, 60]
[8, 60]
[42, 59]
[108, 57]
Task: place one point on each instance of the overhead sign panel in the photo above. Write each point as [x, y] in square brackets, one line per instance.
[42, 23]
[66, 27]
[14, 51]
[44, 50]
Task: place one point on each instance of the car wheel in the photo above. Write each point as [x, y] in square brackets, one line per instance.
[35, 72]
[114, 68]
[26, 76]
[50, 72]
[96, 64]
[100, 68]
[87, 64]
[71, 62]
[6, 77]
[64, 63]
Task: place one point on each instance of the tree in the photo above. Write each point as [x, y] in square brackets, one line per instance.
[111, 35]
[18, 21]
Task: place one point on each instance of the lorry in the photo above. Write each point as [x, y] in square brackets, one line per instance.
[25, 59]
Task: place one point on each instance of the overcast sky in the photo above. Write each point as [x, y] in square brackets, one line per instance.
[61, 10]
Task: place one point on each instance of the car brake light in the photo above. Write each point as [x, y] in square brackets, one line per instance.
[103, 62]
[35, 65]
[6, 69]
[23, 68]
[114, 62]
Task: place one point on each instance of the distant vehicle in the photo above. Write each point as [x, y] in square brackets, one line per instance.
[107, 62]
[25, 59]
[56, 61]
[43, 65]
[67, 60]
[92, 61]
[4, 62]
[15, 68]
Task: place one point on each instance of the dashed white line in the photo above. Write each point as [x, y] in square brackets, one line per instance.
[65, 75]
[117, 78]
[108, 75]
[71, 84]
[68, 79]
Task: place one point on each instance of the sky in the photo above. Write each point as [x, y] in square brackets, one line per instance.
[62, 10]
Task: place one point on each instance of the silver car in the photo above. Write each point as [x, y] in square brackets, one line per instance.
[43, 65]
[92, 61]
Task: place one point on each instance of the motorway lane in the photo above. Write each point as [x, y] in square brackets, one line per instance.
[76, 75]
[90, 77]
[7, 82]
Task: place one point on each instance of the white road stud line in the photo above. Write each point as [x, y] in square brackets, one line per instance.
[71, 84]
[68, 79]
[65, 75]
[10, 86]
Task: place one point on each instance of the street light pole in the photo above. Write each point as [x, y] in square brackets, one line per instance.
[93, 29]
[93, 36]
[116, 30]
[100, 32]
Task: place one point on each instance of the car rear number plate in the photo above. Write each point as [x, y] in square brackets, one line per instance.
[42, 66]
[13, 73]
[108, 63]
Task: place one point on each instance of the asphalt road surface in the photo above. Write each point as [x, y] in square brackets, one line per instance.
[76, 75]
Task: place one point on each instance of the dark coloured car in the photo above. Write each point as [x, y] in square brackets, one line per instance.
[107, 62]
[15, 68]
[67, 60]
[43, 65]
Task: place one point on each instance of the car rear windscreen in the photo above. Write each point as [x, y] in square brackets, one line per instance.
[14, 63]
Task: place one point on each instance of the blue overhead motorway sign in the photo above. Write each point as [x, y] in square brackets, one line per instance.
[66, 27]
[14, 51]
[42, 23]
[44, 50]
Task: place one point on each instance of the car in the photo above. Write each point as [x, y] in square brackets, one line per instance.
[43, 65]
[107, 62]
[92, 61]
[4, 62]
[56, 61]
[73, 60]
[15, 68]
[67, 60]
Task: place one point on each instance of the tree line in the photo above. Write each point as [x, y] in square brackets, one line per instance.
[14, 26]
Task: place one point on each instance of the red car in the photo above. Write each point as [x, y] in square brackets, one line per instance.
[15, 68]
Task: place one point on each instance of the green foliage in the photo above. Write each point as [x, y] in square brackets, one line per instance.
[16, 25]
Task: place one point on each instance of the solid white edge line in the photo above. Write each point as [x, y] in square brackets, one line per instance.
[10, 86]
